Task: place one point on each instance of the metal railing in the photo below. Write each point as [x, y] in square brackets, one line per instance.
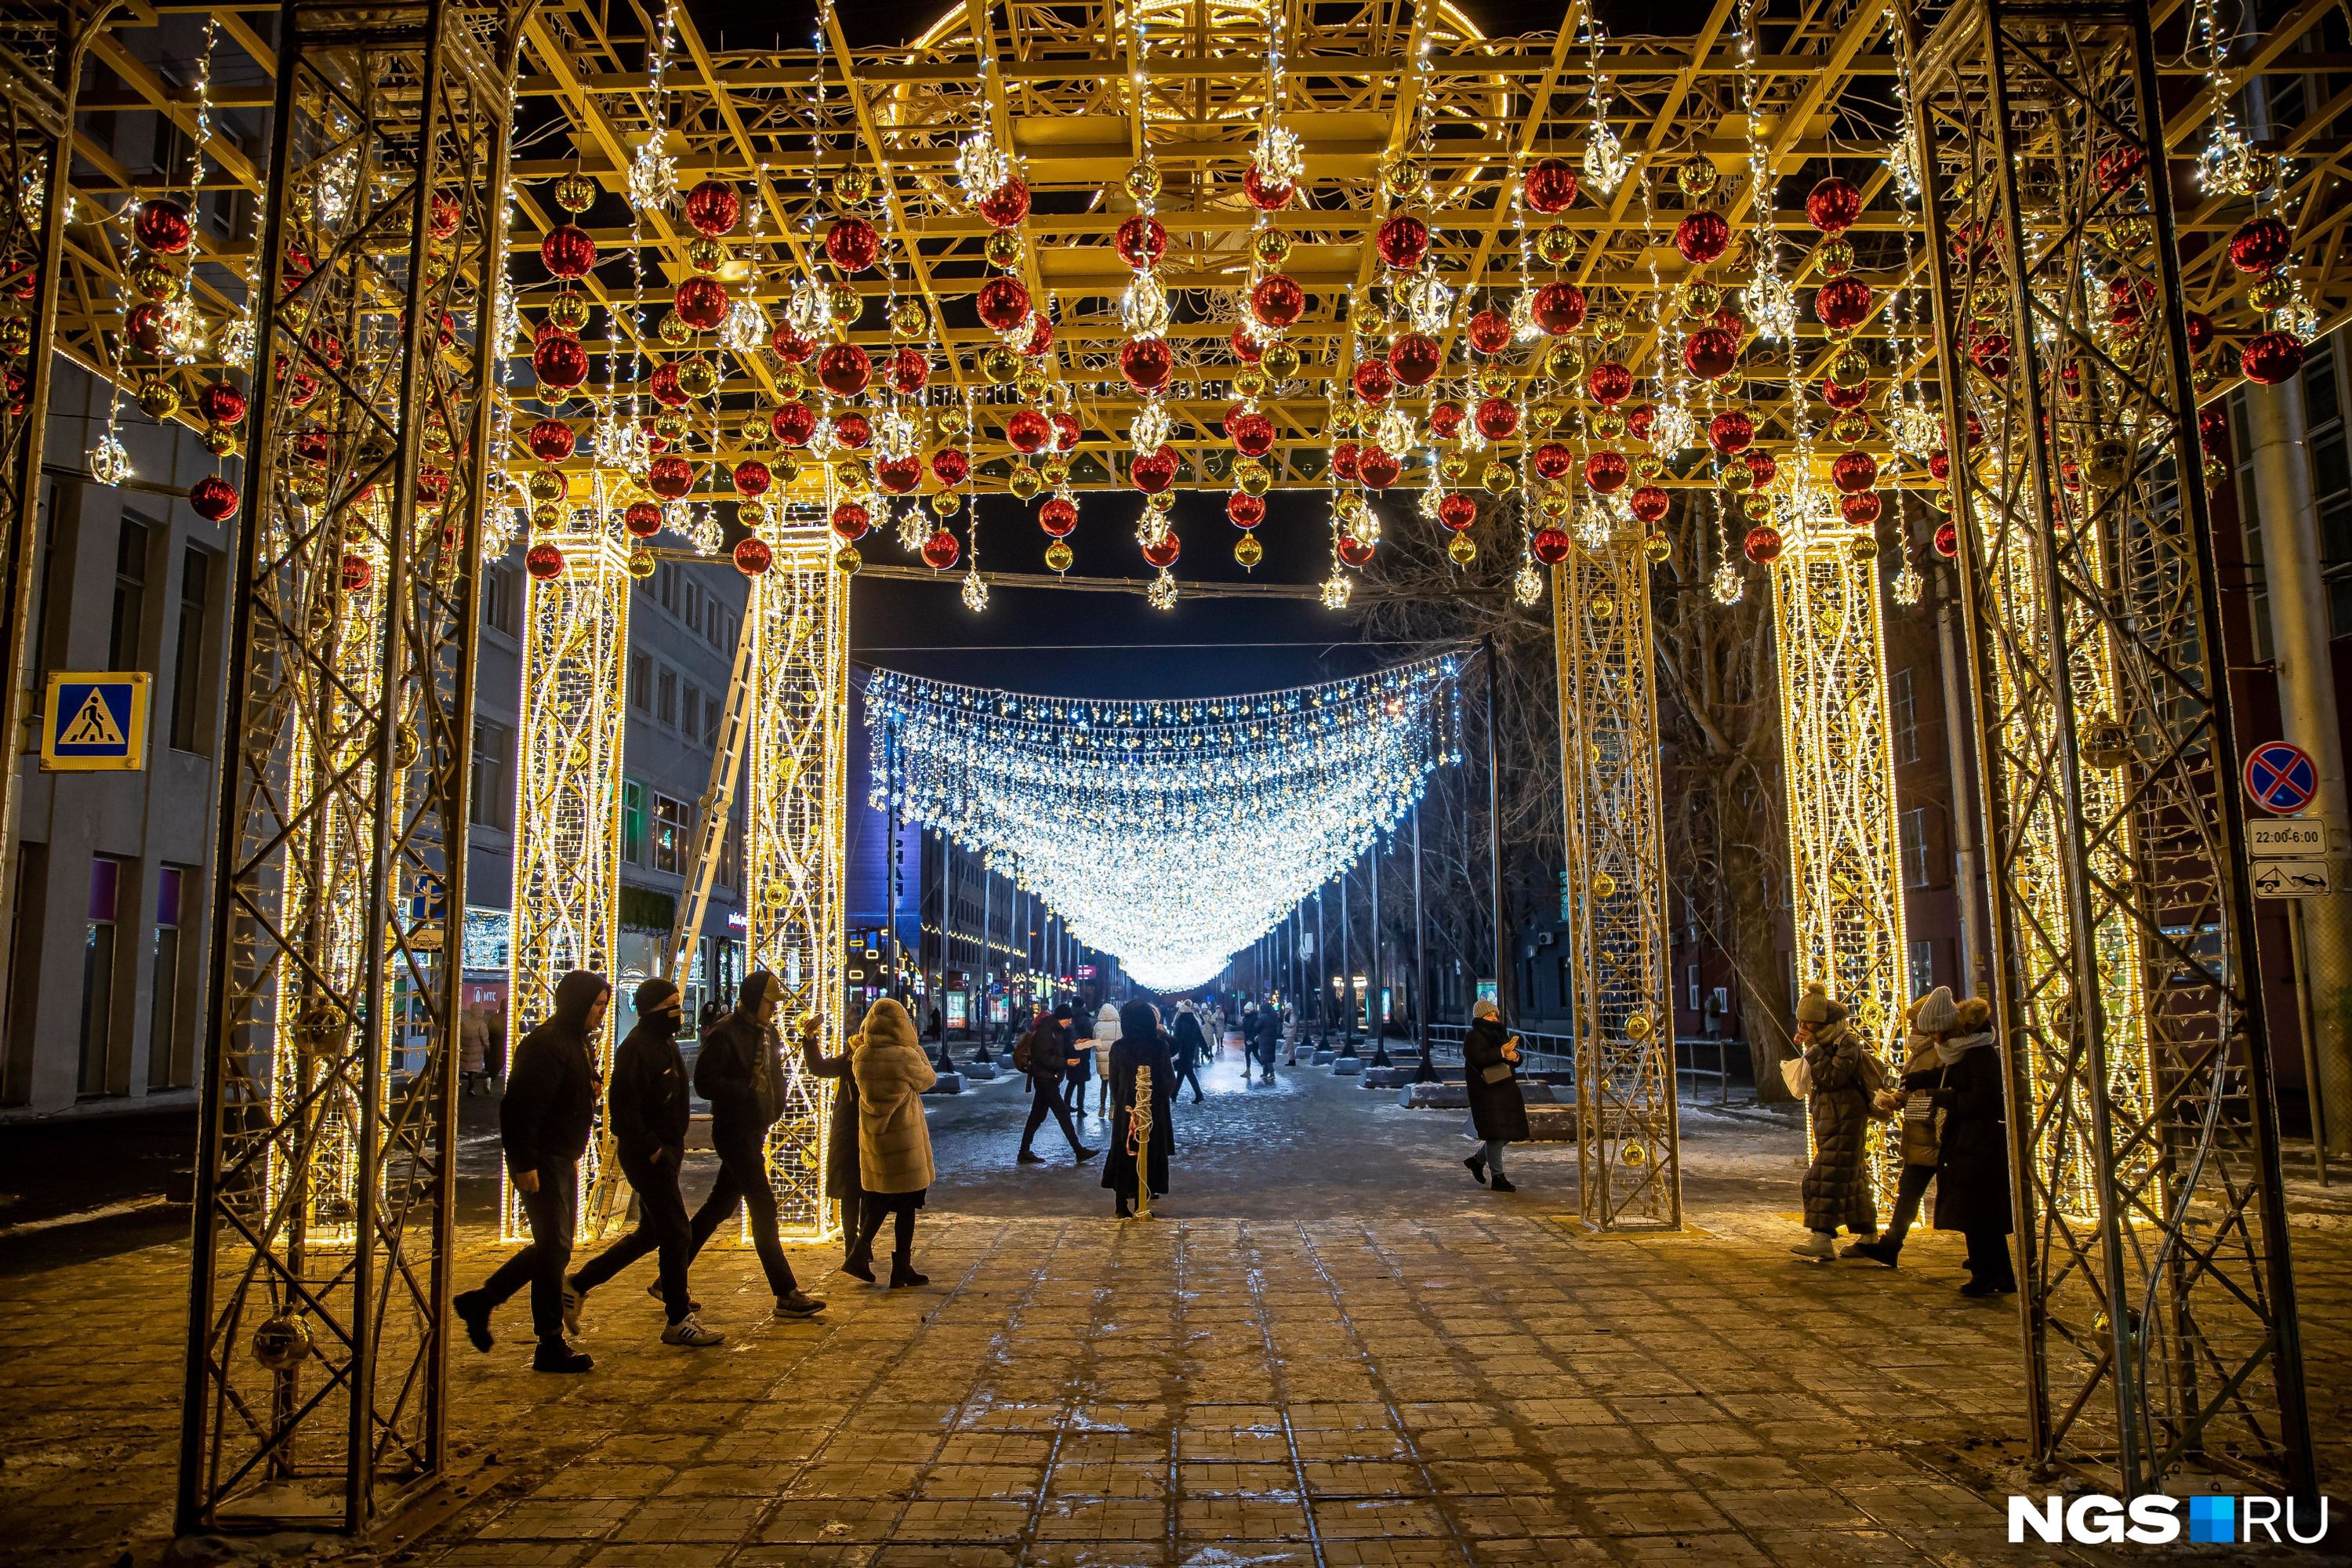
[1554, 1056]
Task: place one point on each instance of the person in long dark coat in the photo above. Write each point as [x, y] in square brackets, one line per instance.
[741, 1074]
[1972, 1158]
[1050, 1057]
[1837, 1185]
[543, 1123]
[1497, 1109]
[1140, 1045]
[1269, 1038]
[1080, 1059]
[841, 1136]
[1190, 1045]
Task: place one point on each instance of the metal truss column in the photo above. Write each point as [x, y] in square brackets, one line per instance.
[317, 1305]
[797, 766]
[1628, 1146]
[2156, 1291]
[567, 853]
[1845, 863]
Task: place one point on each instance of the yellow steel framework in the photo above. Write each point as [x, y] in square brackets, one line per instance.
[1629, 1162]
[797, 766]
[566, 909]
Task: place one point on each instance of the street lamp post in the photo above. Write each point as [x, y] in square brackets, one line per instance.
[1377, 999]
[1425, 1072]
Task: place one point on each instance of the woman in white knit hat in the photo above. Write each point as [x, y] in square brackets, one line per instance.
[1837, 1185]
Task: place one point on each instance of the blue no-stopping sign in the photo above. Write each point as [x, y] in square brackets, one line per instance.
[2281, 777]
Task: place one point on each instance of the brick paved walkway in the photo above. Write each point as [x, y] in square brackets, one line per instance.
[1336, 1351]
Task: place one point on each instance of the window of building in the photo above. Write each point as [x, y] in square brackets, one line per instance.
[666, 586]
[632, 822]
[163, 1022]
[188, 704]
[666, 696]
[1923, 968]
[2331, 480]
[730, 873]
[673, 828]
[97, 972]
[1914, 847]
[641, 682]
[1902, 718]
[129, 594]
[714, 714]
[690, 710]
[1690, 979]
[488, 800]
[693, 594]
[501, 601]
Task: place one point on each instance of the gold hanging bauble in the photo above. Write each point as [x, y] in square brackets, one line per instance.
[1649, 467]
[1249, 382]
[1555, 502]
[946, 503]
[672, 329]
[952, 422]
[1270, 246]
[1023, 481]
[155, 280]
[1609, 424]
[1863, 547]
[1247, 551]
[1058, 556]
[792, 380]
[1563, 362]
[1835, 258]
[642, 562]
[1608, 328]
[310, 486]
[1500, 478]
[852, 186]
[1633, 1154]
[569, 310]
[1002, 249]
[1343, 419]
[575, 192]
[704, 254]
[1032, 384]
[1556, 246]
[671, 425]
[1159, 503]
[756, 432]
[1737, 477]
[1547, 413]
[1056, 469]
[1454, 467]
[1494, 381]
[853, 475]
[160, 398]
[1348, 507]
[1850, 428]
[1696, 174]
[546, 484]
[2204, 375]
[220, 442]
[1848, 367]
[2130, 235]
[1657, 547]
[1251, 476]
[908, 319]
[1402, 177]
[1987, 303]
[752, 514]
[2267, 292]
[1605, 886]
[783, 471]
[1731, 387]
[1757, 509]
[1602, 607]
[999, 366]
[1143, 181]
[1462, 549]
[845, 301]
[847, 559]
[1280, 361]
[1697, 300]
[547, 517]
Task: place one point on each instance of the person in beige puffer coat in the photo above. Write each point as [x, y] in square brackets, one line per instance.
[894, 1141]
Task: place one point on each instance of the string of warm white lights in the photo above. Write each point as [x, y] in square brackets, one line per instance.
[1172, 834]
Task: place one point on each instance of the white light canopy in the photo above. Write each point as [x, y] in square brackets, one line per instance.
[1171, 833]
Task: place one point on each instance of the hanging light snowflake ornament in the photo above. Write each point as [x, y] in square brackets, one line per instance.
[1605, 163]
[981, 166]
[1907, 585]
[745, 330]
[1395, 431]
[2297, 318]
[1149, 432]
[1429, 302]
[1527, 582]
[653, 175]
[1728, 584]
[237, 344]
[975, 591]
[1771, 305]
[895, 434]
[913, 528]
[1337, 589]
[1280, 157]
[1916, 429]
[807, 310]
[1161, 593]
[1143, 309]
[110, 463]
[1673, 429]
[1524, 328]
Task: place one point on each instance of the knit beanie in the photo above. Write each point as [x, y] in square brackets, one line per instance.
[1938, 1012]
[654, 994]
[1813, 1006]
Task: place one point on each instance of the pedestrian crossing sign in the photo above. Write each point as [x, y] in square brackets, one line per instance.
[94, 723]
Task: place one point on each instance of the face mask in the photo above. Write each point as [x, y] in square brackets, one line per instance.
[665, 1020]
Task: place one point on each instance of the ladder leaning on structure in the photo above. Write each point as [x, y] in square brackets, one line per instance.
[711, 813]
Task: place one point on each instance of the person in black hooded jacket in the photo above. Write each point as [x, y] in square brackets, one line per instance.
[544, 1121]
[647, 1114]
[741, 1074]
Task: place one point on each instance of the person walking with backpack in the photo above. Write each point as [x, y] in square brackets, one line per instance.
[646, 1112]
[1844, 1080]
[1045, 1055]
[543, 1123]
[741, 1075]
[894, 1141]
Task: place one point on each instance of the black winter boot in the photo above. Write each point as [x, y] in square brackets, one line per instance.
[554, 1356]
[859, 1265]
[902, 1272]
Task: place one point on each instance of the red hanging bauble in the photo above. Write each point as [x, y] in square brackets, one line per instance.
[1277, 301]
[1607, 471]
[1989, 353]
[358, 574]
[222, 405]
[443, 214]
[1551, 545]
[144, 326]
[1266, 197]
[1762, 469]
[845, 369]
[1377, 468]
[1845, 398]
[2270, 358]
[853, 431]
[1860, 509]
[1040, 338]
[1007, 205]
[163, 228]
[1832, 205]
[1701, 236]
[664, 383]
[1456, 511]
[1842, 302]
[1947, 540]
[851, 521]
[1650, 503]
[1552, 461]
[670, 477]
[702, 303]
[754, 557]
[1146, 363]
[212, 497]
[1161, 552]
[713, 207]
[1730, 431]
[1002, 303]
[1551, 186]
[568, 251]
[1854, 472]
[561, 363]
[1640, 421]
[1027, 430]
[910, 372]
[1490, 332]
[752, 476]
[1246, 510]
[643, 518]
[1246, 348]
[951, 466]
[1373, 381]
[1609, 383]
[1709, 352]
[1065, 430]
[791, 346]
[852, 245]
[1413, 359]
[2259, 245]
[2119, 165]
[1402, 241]
[1058, 516]
[1140, 241]
[1559, 307]
[899, 474]
[941, 550]
[1762, 544]
[2200, 332]
[1497, 418]
[1444, 419]
[544, 561]
[1154, 472]
[1343, 462]
[1354, 552]
[1252, 433]
[793, 424]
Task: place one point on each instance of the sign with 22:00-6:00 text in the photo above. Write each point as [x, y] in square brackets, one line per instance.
[94, 722]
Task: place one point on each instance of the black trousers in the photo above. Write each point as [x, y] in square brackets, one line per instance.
[1188, 1071]
[853, 1204]
[662, 1228]
[1046, 1100]
[1989, 1258]
[1909, 1189]
[743, 1180]
[552, 1214]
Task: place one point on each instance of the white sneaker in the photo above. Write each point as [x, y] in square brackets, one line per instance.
[572, 1301]
[688, 1332]
[1820, 1244]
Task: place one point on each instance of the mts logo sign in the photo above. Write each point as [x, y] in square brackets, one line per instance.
[2155, 1521]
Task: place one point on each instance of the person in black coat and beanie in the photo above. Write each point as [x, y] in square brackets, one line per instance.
[841, 1180]
[1972, 1154]
[1140, 1045]
[1051, 1060]
[646, 1111]
[1190, 1046]
[741, 1075]
[1073, 1082]
[1490, 1059]
[543, 1123]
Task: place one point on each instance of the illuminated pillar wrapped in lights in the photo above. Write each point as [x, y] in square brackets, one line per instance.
[1845, 865]
[315, 1378]
[566, 909]
[1628, 1164]
[796, 773]
[2156, 1296]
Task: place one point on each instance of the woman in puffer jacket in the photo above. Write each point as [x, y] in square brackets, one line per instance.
[894, 1141]
[1837, 1184]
